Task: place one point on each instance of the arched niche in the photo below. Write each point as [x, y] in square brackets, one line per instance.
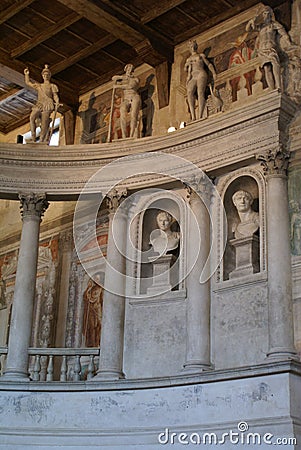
[250, 180]
[144, 222]
[247, 184]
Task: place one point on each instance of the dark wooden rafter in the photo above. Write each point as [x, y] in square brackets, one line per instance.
[5, 96]
[15, 124]
[128, 29]
[41, 37]
[88, 51]
[14, 9]
[159, 9]
[152, 47]
[13, 93]
[103, 20]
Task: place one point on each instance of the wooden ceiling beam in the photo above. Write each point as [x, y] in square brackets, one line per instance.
[88, 51]
[151, 46]
[159, 9]
[6, 97]
[111, 18]
[43, 36]
[230, 12]
[103, 20]
[16, 124]
[161, 44]
[14, 9]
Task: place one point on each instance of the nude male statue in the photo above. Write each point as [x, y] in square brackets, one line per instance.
[131, 101]
[197, 79]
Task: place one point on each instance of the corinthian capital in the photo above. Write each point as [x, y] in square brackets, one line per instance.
[274, 162]
[199, 186]
[33, 204]
[114, 198]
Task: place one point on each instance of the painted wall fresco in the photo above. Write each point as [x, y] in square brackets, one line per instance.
[294, 187]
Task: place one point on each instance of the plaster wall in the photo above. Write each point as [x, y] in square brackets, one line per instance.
[131, 418]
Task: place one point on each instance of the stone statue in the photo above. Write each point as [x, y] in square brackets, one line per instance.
[249, 219]
[269, 32]
[163, 239]
[197, 79]
[131, 101]
[48, 101]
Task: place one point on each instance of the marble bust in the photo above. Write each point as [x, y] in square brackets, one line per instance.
[249, 219]
[163, 239]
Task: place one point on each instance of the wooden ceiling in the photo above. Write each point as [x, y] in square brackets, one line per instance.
[85, 42]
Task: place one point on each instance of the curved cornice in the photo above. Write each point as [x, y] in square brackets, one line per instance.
[225, 139]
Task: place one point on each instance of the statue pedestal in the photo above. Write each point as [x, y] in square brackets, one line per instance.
[161, 274]
[247, 256]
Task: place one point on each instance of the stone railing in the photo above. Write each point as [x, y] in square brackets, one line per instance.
[59, 364]
[239, 82]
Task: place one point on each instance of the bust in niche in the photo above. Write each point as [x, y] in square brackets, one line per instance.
[163, 239]
[249, 219]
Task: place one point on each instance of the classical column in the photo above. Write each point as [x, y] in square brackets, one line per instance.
[281, 337]
[198, 294]
[112, 327]
[33, 206]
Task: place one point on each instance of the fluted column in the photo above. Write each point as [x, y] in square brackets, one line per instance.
[112, 327]
[198, 294]
[281, 337]
[33, 206]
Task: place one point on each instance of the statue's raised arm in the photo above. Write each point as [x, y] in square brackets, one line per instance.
[47, 101]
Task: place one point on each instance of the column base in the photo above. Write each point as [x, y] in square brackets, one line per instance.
[195, 367]
[282, 354]
[15, 375]
[107, 375]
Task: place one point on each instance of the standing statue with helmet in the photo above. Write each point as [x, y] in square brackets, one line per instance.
[47, 102]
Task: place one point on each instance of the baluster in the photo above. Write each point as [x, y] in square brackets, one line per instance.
[257, 87]
[228, 97]
[43, 371]
[63, 376]
[36, 369]
[242, 92]
[77, 368]
[49, 376]
[91, 368]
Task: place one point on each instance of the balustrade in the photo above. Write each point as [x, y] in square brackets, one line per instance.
[241, 71]
[59, 364]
